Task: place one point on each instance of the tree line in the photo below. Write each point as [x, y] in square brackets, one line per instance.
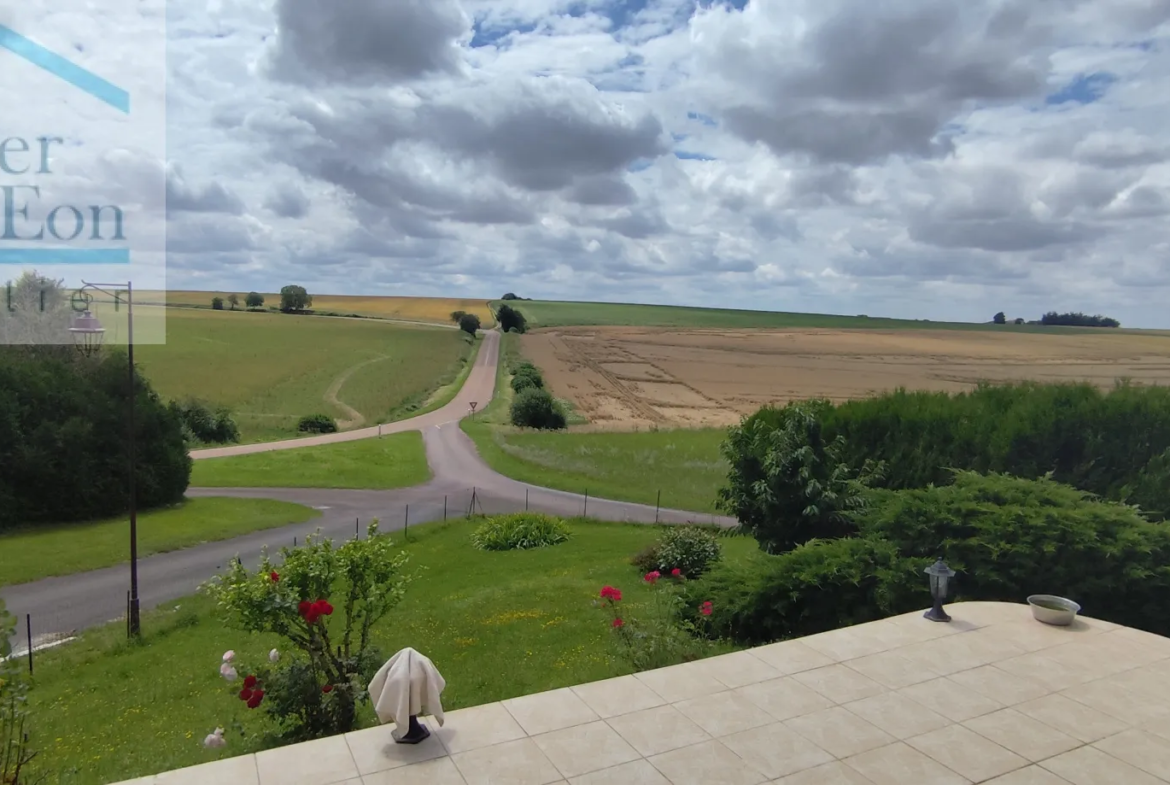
[1054, 319]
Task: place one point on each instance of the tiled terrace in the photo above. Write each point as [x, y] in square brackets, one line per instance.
[993, 697]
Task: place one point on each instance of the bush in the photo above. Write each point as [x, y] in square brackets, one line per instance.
[204, 426]
[691, 549]
[511, 320]
[63, 438]
[519, 531]
[536, 408]
[647, 559]
[527, 378]
[217, 303]
[469, 323]
[317, 423]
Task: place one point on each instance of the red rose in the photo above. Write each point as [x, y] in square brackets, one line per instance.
[328, 688]
[327, 609]
[249, 682]
[652, 576]
[617, 623]
[676, 572]
[706, 608]
[303, 607]
[274, 576]
[311, 616]
[245, 694]
[254, 701]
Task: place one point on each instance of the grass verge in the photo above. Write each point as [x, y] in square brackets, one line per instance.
[397, 460]
[106, 710]
[77, 547]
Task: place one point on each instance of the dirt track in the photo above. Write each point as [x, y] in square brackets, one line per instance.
[626, 378]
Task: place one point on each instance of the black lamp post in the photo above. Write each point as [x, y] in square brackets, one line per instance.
[940, 575]
[88, 334]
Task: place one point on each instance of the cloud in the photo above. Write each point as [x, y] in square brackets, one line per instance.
[212, 197]
[288, 201]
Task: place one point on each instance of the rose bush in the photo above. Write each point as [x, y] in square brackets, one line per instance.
[315, 690]
[656, 640]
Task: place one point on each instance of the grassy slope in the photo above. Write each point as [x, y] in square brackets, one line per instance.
[272, 369]
[394, 461]
[684, 464]
[544, 313]
[77, 547]
[107, 711]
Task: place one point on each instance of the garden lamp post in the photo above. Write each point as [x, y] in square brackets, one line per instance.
[88, 333]
[940, 576]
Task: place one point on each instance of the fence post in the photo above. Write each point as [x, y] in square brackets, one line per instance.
[294, 541]
[585, 512]
[657, 505]
[28, 632]
[128, 614]
[525, 500]
[356, 536]
[406, 524]
[444, 508]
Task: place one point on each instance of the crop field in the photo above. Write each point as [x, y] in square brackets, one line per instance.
[272, 369]
[545, 313]
[420, 309]
[632, 378]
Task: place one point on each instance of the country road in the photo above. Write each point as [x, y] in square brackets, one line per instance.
[74, 602]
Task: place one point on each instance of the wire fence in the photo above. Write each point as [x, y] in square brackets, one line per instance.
[45, 623]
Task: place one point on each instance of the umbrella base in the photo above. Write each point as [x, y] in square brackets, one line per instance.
[415, 732]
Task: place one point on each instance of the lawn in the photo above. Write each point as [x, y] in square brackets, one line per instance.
[394, 461]
[76, 547]
[497, 625]
[547, 313]
[422, 309]
[272, 369]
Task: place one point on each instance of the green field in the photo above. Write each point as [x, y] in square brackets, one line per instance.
[497, 625]
[272, 369]
[395, 461]
[77, 547]
[547, 313]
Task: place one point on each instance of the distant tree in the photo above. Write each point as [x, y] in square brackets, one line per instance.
[294, 298]
[999, 318]
[1077, 320]
[217, 303]
[511, 320]
[234, 299]
[536, 408]
[457, 316]
[469, 323]
[254, 300]
[1019, 320]
[509, 296]
[35, 310]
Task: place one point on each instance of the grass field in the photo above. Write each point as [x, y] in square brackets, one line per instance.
[497, 625]
[421, 309]
[547, 313]
[272, 369]
[394, 461]
[77, 547]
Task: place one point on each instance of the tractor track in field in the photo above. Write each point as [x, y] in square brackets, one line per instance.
[356, 418]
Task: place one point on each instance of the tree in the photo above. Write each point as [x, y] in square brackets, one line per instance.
[1019, 320]
[457, 316]
[509, 296]
[469, 323]
[254, 300]
[35, 310]
[1000, 318]
[234, 300]
[217, 303]
[1077, 320]
[294, 299]
[511, 320]
[536, 408]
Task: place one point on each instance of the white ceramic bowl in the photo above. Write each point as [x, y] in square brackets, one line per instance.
[1051, 609]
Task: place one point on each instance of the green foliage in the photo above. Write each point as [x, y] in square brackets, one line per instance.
[469, 323]
[217, 303]
[1007, 537]
[519, 531]
[457, 316]
[254, 300]
[527, 377]
[510, 296]
[315, 692]
[1151, 489]
[294, 299]
[1077, 320]
[663, 636]
[511, 320]
[1000, 318]
[647, 559]
[234, 300]
[15, 752]
[796, 486]
[536, 408]
[201, 425]
[691, 549]
[63, 438]
[1094, 440]
[317, 423]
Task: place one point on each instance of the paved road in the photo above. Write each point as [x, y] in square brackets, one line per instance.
[461, 481]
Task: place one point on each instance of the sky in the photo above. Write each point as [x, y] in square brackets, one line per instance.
[934, 159]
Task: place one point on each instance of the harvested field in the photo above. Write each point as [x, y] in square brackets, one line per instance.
[626, 378]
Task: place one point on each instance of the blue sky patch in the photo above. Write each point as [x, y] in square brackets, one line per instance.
[683, 155]
[706, 120]
[490, 36]
[1085, 89]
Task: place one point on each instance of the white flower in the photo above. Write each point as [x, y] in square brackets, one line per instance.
[228, 672]
[215, 739]
[228, 656]
[273, 656]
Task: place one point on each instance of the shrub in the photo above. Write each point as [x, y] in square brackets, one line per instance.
[647, 559]
[690, 548]
[536, 408]
[663, 636]
[511, 320]
[456, 316]
[204, 426]
[318, 684]
[1151, 489]
[469, 323]
[217, 303]
[15, 751]
[527, 378]
[519, 531]
[317, 423]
